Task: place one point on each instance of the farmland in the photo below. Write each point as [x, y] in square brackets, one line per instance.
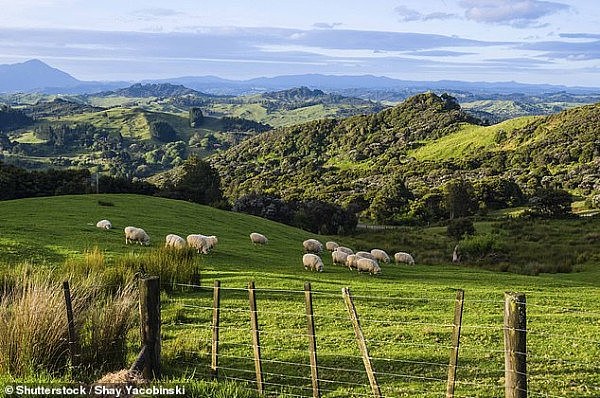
[406, 312]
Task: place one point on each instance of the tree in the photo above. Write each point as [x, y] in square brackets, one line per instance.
[196, 117]
[552, 203]
[162, 131]
[460, 227]
[459, 198]
[200, 183]
[391, 202]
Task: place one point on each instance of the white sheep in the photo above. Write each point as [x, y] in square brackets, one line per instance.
[365, 255]
[402, 257]
[339, 257]
[344, 249]
[312, 246]
[134, 234]
[380, 255]
[312, 262]
[175, 241]
[331, 246]
[259, 239]
[203, 244]
[351, 261]
[104, 224]
[368, 265]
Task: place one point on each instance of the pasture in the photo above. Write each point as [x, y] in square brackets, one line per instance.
[406, 312]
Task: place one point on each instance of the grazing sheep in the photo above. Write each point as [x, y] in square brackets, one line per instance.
[351, 260]
[331, 246]
[365, 255]
[380, 255]
[346, 250]
[134, 234]
[402, 257]
[312, 262]
[175, 241]
[339, 257]
[368, 265]
[259, 239]
[312, 246]
[104, 224]
[203, 244]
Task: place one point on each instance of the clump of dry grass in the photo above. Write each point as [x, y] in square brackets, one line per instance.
[33, 322]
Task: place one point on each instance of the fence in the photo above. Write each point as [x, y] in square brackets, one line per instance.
[306, 343]
[337, 344]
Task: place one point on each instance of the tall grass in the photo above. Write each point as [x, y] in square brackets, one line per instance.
[33, 323]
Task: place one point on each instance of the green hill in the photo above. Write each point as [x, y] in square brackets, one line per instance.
[405, 312]
[425, 141]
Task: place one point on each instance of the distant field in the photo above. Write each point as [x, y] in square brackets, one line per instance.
[405, 312]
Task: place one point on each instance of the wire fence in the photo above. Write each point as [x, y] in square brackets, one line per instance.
[409, 340]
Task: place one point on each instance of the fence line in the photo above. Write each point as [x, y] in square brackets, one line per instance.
[228, 321]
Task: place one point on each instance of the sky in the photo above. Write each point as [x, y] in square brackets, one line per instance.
[529, 41]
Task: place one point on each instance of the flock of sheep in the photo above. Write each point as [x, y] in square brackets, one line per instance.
[361, 261]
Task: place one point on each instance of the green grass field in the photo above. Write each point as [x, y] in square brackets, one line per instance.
[406, 312]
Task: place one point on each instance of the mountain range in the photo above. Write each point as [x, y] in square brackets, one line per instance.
[37, 76]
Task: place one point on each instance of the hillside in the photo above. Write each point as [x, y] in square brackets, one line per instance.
[404, 312]
[139, 90]
[425, 141]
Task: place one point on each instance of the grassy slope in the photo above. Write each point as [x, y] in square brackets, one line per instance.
[409, 325]
[467, 140]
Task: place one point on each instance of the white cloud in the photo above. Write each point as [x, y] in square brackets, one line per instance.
[517, 13]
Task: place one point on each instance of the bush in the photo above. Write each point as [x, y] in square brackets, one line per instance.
[483, 249]
[460, 227]
[551, 203]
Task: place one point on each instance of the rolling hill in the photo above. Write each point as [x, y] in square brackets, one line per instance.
[425, 141]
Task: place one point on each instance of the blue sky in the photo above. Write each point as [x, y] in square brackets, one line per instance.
[532, 41]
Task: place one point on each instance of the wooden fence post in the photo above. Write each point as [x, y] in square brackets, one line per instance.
[456, 325]
[150, 325]
[360, 339]
[70, 323]
[515, 345]
[214, 367]
[312, 341]
[255, 339]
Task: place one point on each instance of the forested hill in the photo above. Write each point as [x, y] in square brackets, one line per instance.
[139, 90]
[336, 152]
[426, 141]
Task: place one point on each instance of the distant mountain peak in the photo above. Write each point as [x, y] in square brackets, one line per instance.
[32, 75]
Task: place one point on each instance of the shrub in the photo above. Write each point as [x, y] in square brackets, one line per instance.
[483, 248]
[460, 227]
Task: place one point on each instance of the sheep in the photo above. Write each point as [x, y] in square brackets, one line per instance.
[175, 241]
[257, 238]
[134, 234]
[365, 255]
[380, 255]
[331, 246]
[312, 246]
[344, 249]
[351, 261]
[402, 257]
[368, 265]
[339, 257]
[312, 262]
[203, 244]
[104, 224]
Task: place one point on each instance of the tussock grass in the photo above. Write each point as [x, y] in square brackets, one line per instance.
[33, 322]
